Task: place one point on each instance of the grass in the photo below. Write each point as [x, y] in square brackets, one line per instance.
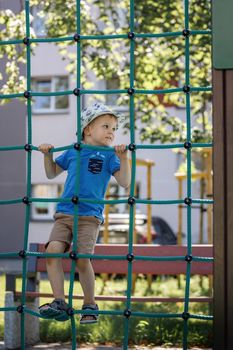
[110, 329]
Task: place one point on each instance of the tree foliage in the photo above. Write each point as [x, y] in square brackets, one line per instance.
[159, 62]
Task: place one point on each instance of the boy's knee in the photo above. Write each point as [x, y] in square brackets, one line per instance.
[56, 247]
[83, 263]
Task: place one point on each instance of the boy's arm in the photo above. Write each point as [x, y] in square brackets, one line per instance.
[123, 176]
[51, 168]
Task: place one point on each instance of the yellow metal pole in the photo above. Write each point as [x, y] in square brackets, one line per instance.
[202, 195]
[209, 207]
[180, 220]
[180, 214]
[106, 233]
[149, 209]
[134, 279]
[209, 192]
[106, 221]
[201, 221]
[149, 218]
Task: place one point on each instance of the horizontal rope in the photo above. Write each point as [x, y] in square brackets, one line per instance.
[106, 257]
[101, 148]
[105, 37]
[103, 201]
[108, 92]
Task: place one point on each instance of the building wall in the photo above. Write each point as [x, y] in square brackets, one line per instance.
[12, 170]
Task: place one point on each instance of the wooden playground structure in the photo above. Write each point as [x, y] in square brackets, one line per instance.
[148, 164]
[205, 175]
[206, 191]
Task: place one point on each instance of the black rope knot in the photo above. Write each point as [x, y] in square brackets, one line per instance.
[26, 41]
[188, 258]
[25, 200]
[76, 37]
[127, 313]
[186, 89]
[131, 35]
[74, 199]
[132, 147]
[187, 145]
[27, 94]
[188, 201]
[20, 309]
[22, 254]
[185, 315]
[77, 92]
[77, 146]
[70, 311]
[130, 91]
[131, 200]
[186, 33]
[73, 255]
[130, 257]
[28, 147]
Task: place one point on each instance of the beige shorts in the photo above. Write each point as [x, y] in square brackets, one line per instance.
[88, 230]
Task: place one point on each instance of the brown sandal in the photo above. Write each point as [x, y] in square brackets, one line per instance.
[89, 307]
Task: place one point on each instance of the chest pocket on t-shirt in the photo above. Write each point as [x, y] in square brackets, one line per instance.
[95, 165]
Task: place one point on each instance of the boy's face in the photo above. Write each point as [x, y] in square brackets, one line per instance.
[101, 131]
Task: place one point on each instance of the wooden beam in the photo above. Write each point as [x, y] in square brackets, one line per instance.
[142, 266]
[223, 217]
[123, 298]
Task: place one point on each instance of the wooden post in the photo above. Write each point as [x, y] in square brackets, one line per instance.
[223, 217]
[222, 25]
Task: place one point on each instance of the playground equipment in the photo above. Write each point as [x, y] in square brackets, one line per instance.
[144, 163]
[148, 164]
[205, 191]
[188, 256]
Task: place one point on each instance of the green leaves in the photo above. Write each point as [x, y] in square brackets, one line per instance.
[159, 62]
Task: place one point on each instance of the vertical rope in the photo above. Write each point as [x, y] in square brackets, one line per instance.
[133, 175]
[77, 183]
[28, 195]
[189, 173]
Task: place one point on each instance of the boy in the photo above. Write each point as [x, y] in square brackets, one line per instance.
[99, 124]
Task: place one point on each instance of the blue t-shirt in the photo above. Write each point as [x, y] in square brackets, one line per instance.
[96, 168]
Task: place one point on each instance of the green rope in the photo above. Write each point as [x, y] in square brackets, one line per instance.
[109, 92]
[127, 313]
[105, 37]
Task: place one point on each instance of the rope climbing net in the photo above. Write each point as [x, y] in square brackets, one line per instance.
[24, 254]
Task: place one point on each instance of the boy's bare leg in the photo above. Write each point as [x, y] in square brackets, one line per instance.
[87, 280]
[55, 269]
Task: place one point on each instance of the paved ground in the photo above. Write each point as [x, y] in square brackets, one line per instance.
[67, 346]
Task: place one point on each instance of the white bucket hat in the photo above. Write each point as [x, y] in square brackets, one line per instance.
[90, 113]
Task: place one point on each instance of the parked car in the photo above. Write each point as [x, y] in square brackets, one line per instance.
[163, 232]
[118, 230]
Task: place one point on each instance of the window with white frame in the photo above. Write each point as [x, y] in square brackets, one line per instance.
[112, 100]
[44, 210]
[50, 104]
[113, 84]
